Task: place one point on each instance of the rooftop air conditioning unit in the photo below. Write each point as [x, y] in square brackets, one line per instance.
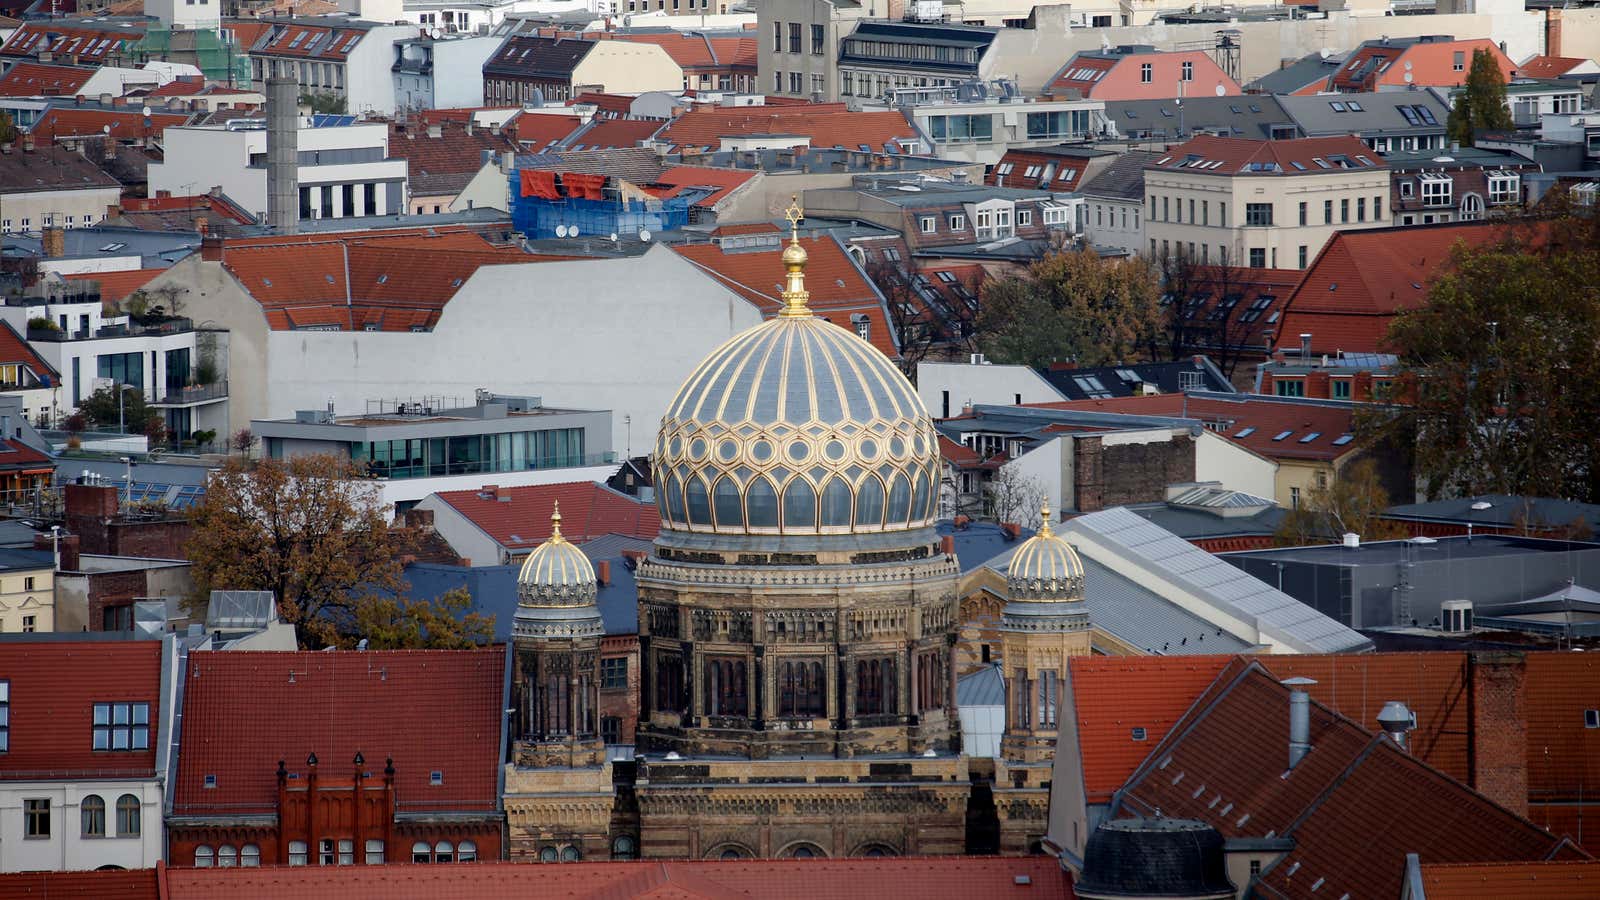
[1455, 616]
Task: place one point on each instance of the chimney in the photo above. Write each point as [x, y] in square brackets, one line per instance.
[108, 147]
[113, 210]
[283, 176]
[1299, 719]
[1305, 346]
[105, 99]
[211, 248]
[54, 239]
[602, 572]
[435, 130]
[27, 142]
[947, 545]
[1396, 721]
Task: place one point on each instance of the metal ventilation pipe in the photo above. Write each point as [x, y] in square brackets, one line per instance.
[1299, 719]
[1395, 718]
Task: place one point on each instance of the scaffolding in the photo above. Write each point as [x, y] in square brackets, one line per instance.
[540, 217]
[208, 49]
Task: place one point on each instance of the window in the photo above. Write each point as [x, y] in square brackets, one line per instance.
[929, 224]
[227, 856]
[347, 853]
[1257, 214]
[1048, 686]
[801, 691]
[250, 856]
[1436, 190]
[1327, 212]
[27, 583]
[864, 329]
[36, 818]
[467, 851]
[777, 83]
[816, 40]
[1377, 209]
[298, 854]
[958, 223]
[1458, 60]
[1188, 71]
[1024, 218]
[204, 857]
[129, 816]
[614, 672]
[122, 726]
[1258, 258]
[1361, 209]
[1344, 210]
[93, 809]
[421, 852]
[1302, 212]
[30, 624]
[1062, 124]
[1302, 256]
[374, 852]
[1255, 867]
[325, 852]
[1294, 498]
[1340, 388]
[796, 83]
[444, 852]
[777, 37]
[5, 716]
[1144, 73]
[726, 684]
[624, 847]
[948, 129]
[1504, 187]
[876, 687]
[794, 37]
[1591, 718]
[1294, 388]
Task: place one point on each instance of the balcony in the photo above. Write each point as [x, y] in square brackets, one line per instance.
[193, 395]
[129, 329]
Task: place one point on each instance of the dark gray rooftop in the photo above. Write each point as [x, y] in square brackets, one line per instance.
[1304, 71]
[1123, 179]
[1250, 116]
[1195, 524]
[1502, 510]
[985, 687]
[1389, 553]
[1099, 383]
[1367, 113]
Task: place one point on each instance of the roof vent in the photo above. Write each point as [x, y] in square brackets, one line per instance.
[1455, 616]
[1397, 720]
[1299, 719]
[1352, 541]
[1022, 879]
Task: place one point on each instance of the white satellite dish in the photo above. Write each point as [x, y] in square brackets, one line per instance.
[644, 235]
[1409, 78]
[561, 231]
[437, 33]
[613, 236]
[147, 110]
[1221, 90]
[105, 129]
[572, 231]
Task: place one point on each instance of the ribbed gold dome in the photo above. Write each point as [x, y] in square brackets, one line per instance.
[1045, 568]
[556, 573]
[796, 426]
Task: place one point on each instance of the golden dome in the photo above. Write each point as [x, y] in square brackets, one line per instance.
[796, 426]
[1045, 568]
[556, 573]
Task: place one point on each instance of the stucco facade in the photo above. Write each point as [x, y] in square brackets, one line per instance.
[27, 598]
[67, 846]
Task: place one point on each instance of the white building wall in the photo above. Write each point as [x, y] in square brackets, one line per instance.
[1219, 459]
[369, 72]
[1043, 467]
[87, 354]
[32, 210]
[625, 67]
[956, 384]
[467, 539]
[187, 13]
[66, 848]
[982, 727]
[458, 71]
[1114, 224]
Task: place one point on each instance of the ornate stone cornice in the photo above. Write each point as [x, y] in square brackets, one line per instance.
[654, 570]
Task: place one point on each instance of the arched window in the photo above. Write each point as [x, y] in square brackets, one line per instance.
[569, 853]
[869, 503]
[876, 686]
[203, 857]
[835, 503]
[467, 851]
[799, 504]
[899, 500]
[919, 504]
[725, 688]
[549, 854]
[762, 502]
[1471, 207]
[730, 511]
[444, 852]
[250, 856]
[805, 851]
[624, 848]
[674, 500]
[129, 818]
[227, 856]
[94, 816]
[421, 852]
[800, 693]
[699, 503]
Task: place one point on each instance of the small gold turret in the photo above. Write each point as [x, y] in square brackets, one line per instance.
[795, 294]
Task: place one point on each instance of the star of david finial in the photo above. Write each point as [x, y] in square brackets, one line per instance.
[794, 214]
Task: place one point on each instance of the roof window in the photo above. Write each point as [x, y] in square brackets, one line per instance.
[1140, 734]
[1343, 439]
[1591, 718]
[436, 777]
[1281, 435]
[1246, 432]
[1311, 437]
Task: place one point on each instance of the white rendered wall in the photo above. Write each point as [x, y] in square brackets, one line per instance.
[1219, 459]
[981, 384]
[66, 849]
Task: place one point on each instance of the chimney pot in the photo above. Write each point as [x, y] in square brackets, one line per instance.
[602, 572]
[211, 248]
[1299, 719]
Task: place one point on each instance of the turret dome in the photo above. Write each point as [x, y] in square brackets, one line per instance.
[556, 589]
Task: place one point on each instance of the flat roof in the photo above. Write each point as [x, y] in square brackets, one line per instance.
[1390, 552]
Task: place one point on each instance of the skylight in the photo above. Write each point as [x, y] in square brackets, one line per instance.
[1354, 106]
[1336, 105]
[1281, 435]
[1343, 439]
[1311, 437]
[1246, 432]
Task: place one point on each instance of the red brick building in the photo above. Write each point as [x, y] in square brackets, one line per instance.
[339, 758]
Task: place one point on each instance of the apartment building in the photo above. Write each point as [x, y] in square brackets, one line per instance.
[349, 62]
[797, 45]
[1262, 204]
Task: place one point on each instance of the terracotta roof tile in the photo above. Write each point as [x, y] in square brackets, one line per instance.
[701, 51]
[1549, 66]
[1563, 754]
[68, 121]
[1080, 74]
[1419, 64]
[39, 80]
[1065, 172]
[89, 44]
[116, 286]
[826, 124]
[611, 134]
[445, 163]
[293, 39]
[135, 884]
[54, 687]
[1270, 426]
[521, 521]
[838, 289]
[541, 131]
[1563, 880]
[1209, 154]
[431, 710]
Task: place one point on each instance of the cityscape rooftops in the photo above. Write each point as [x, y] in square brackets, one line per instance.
[1369, 114]
[49, 168]
[43, 80]
[1255, 117]
[824, 124]
[1207, 155]
[53, 689]
[518, 518]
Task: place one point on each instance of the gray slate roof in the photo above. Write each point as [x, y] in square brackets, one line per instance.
[1320, 116]
[1279, 616]
[1302, 72]
[1123, 179]
[985, 687]
[1249, 116]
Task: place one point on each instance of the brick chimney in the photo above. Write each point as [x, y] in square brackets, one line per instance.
[68, 547]
[95, 501]
[54, 239]
[211, 248]
[602, 572]
[1499, 727]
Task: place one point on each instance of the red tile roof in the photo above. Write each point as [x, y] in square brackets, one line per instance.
[1064, 173]
[700, 51]
[518, 518]
[1563, 754]
[17, 456]
[838, 289]
[609, 134]
[929, 878]
[390, 282]
[306, 41]
[1081, 73]
[194, 86]
[135, 884]
[542, 131]
[1571, 879]
[89, 44]
[458, 114]
[1253, 421]
[15, 351]
[1211, 155]
[827, 124]
[453, 152]
[1549, 66]
[959, 455]
[212, 205]
[1420, 64]
[610, 105]
[54, 687]
[245, 32]
[431, 710]
[67, 121]
[115, 287]
[38, 80]
[726, 181]
[1354, 805]
[1360, 279]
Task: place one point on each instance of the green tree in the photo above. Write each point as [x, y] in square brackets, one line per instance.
[1481, 105]
[313, 532]
[389, 623]
[8, 129]
[1073, 305]
[135, 414]
[1499, 363]
[323, 102]
[1353, 502]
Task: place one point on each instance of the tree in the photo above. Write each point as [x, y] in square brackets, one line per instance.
[323, 102]
[1496, 363]
[134, 414]
[8, 129]
[1480, 106]
[1073, 305]
[389, 623]
[307, 529]
[242, 441]
[1014, 497]
[1208, 308]
[1354, 502]
[925, 322]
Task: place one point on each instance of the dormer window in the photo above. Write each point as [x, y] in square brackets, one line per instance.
[122, 726]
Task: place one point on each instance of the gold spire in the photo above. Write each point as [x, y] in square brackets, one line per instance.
[795, 294]
[555, 525]
[1044, 522]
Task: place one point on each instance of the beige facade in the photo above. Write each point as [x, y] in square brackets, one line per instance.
[1274, 221]
[27, 600]
[626, 67]
[780, 23]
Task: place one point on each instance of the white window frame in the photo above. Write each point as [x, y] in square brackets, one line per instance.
[929, 224]
[1437, 190]
[1504, 188]
[958, 222]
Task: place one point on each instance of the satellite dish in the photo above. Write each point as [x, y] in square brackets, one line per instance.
[1408, 78]
[437, 33]
[561, 231]
[1408, 64]
[572, 231]
[147, 111]
[1221, 90]
[644, 235]
[105, 129]
[613, 236]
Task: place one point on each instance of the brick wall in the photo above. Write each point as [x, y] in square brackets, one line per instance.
[110, 589]
[92, 514]
[1129, 473]
[624, 704]
[1500, 729]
